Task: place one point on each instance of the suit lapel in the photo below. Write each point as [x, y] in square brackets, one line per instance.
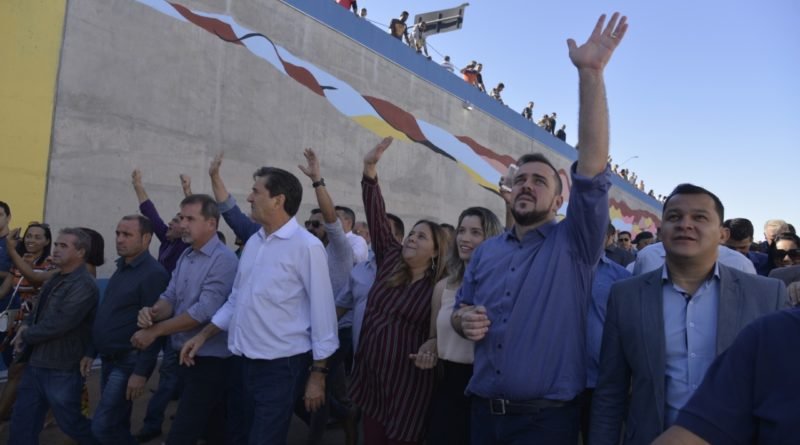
[729, 307]
[652, 300]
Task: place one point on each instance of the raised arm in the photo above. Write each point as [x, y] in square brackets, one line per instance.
[312, 170]
[217, 186]
[32, 275]
[136, 179]
[590, 59]
[147, 208]
[243, 227]
[379, 227]
[186, 184]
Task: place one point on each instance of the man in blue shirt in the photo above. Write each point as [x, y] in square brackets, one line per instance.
[200, 285]
[749, 394]
[741, 238]
[665, 327]
[525, 293]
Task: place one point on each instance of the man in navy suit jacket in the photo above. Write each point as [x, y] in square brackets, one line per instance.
[664, 328]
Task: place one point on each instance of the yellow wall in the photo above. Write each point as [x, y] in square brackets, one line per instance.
[29, 53]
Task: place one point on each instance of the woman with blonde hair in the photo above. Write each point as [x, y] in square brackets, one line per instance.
[450, 410]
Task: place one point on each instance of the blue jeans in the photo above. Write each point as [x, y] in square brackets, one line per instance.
[112, 417]
[274, 385]
[556, 426]
[43, 388]
[168, 384]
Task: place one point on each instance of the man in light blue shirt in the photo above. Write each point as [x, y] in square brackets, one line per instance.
[199, 286]
[664, 328]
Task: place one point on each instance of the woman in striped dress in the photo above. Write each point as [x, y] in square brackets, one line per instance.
[394, 395]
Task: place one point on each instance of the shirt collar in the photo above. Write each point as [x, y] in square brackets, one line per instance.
[210, 246]
[286, 231]
[136, 261]
[604, 259]
[665, 278]
[541, 231]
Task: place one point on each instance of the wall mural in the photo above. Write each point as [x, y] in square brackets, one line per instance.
[380, 116]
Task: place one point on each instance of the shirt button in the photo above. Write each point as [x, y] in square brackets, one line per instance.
[692, 355]
[508, 293]
[691, 324]
[513, 269]
[499, 346]
[497, 372]
[505, 320]
[694, 386]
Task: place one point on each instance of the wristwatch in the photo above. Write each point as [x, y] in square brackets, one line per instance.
[316, 184]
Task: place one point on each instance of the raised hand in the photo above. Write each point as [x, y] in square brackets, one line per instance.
[311, 170]
[136, 178]
[596, 52]
[374, 155]
[213, 169]
[186, 184]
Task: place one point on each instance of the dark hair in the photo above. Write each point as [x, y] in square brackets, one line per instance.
[491, 226]
[641, 236]
[21, 250]
[351, 215]
[691, 189]
[145, 225]
[773, 248]
[740, 228]
[315, 211]
[96, 247]
[397, 223]
[208, 207]
[791, 228]
[83, 241]
[500, 85]
[624, 232]
[401, 276]
[280, 182]
[538, 157]
[611, 230]
[6, 208]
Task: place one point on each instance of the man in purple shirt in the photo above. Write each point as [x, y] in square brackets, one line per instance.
[200, 285]
[525, 293]
[169, 234]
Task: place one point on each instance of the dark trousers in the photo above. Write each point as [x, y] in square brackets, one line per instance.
[272, 386]
[169, 385]
[552, 426]
[585, 401]
[450, 408]
[203, 404]
[111, 423]
[375, 434]
[58, 390]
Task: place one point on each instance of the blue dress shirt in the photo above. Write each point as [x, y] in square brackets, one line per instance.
[354, 295]
[607, 273]
[536, 292]
[690, 331]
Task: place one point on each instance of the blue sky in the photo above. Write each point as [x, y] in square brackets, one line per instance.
[700, 91]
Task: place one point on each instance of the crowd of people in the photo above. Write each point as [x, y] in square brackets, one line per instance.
[477, 333]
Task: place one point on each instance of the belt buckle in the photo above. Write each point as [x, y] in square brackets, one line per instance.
[493, 403]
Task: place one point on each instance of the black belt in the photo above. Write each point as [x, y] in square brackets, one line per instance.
[501, 407]
[117, 356]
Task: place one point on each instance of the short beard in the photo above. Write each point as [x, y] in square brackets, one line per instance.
[530, 218]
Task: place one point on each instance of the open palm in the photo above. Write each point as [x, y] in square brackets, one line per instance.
[596, 52]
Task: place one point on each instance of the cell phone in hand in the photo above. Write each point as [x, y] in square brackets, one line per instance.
[508, 179]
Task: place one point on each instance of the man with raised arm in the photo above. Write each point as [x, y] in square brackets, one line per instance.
[525, 293]
[242, 226]
[280, 315]
[172, 246]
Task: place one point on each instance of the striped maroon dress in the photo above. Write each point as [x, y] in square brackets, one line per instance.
[386, 384]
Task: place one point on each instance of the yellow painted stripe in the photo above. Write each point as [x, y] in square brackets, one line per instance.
[31, 44]
[379, 127]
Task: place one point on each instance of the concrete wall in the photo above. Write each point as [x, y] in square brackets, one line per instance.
[138, 87]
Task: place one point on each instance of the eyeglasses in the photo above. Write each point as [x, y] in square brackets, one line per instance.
[792, 253]
[314, 224]
[624, 240]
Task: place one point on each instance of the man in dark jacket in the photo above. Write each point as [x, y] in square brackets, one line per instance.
[53, 340]
[137, 283]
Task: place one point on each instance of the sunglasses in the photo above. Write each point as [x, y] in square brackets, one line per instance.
[314, 224]
[792, 253]
[624, 240]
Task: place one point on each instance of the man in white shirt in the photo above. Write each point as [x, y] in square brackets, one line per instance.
[359, 245]
[280, 315]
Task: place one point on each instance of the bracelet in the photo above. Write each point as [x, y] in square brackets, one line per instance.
[316, 184]
[319, 369]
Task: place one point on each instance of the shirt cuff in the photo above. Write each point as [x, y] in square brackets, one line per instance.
[226, 205]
